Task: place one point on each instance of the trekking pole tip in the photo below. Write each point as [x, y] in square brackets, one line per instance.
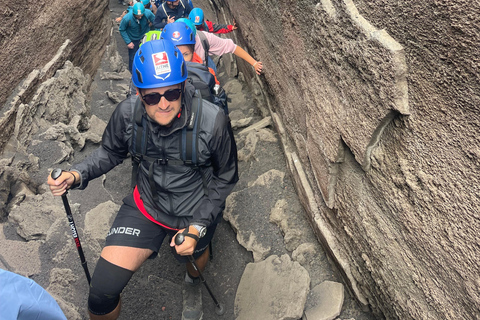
[220, 309]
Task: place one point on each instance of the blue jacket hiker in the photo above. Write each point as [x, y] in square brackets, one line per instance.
[133, 27]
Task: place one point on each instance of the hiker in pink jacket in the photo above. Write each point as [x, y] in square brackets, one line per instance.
[219, 46]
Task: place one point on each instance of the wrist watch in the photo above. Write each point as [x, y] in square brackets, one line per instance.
[202, 231]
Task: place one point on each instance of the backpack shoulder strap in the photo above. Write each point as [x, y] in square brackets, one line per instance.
[205, 45]
[189, 139]
[163, 7]
[182, 4]
[139, 138]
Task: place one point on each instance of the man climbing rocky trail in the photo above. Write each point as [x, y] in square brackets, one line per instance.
[264, 223]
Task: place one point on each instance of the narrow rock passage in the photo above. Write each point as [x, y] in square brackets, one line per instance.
[264, 223]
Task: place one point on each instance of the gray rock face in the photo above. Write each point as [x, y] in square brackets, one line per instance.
[379, 102]
[32, 45]
[274, 289]
[44, 130]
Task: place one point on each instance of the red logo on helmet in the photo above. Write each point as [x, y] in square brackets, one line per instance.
[160, 58]
[161, 63]
[176, 34]
[197, 19]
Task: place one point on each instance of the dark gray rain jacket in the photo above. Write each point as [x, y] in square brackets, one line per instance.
[180, 188]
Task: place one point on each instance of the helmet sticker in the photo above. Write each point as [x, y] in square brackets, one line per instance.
[161, 63]
[197, 19]
[176, 36]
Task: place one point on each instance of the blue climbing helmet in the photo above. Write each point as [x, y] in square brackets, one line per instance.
[138, 9]
[179, 33]
[145, 2]
[158, 63]
[196, 16]
[190, 24]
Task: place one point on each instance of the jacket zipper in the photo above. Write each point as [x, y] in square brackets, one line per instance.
[164, 171]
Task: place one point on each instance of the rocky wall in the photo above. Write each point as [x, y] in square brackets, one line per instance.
[377, 103]
[32, 33]
[48, 63]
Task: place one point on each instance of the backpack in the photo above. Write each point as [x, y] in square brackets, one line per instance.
[204, 82]
[205, 45]
[188, 144]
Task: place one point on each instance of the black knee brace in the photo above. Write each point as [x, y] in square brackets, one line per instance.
[107, 283]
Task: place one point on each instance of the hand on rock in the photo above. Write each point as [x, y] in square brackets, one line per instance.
[258, 66]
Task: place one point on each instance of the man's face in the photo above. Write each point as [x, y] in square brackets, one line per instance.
[187, 52]
[173, 4]
[163, 112]
[138, 16]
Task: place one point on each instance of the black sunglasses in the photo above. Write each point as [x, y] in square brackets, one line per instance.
[154, 98]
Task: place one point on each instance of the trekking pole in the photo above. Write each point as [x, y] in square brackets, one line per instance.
[220, 310]
[55, 174]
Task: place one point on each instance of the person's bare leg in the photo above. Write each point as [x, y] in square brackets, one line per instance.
[201, 263]
[125, 257]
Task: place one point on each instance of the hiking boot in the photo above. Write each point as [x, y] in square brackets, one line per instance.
[192, 299]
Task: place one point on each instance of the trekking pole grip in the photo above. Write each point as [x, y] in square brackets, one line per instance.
[179, 239]
[56, 173]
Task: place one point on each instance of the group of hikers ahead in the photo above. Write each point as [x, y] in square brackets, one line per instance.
[182, 147]
[138, 20]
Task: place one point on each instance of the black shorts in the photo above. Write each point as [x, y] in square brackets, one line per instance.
[132, 229]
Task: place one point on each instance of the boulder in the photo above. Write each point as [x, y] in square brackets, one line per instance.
[273, 289]
[324, 301]
[99, 219]
[36, 215]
